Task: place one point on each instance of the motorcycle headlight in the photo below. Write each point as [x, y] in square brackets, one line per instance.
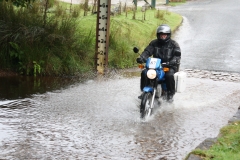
[151, 74]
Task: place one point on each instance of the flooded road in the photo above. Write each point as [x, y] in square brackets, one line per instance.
[99, 119]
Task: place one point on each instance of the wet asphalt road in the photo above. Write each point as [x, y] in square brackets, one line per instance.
[99, 118]
[210, 38]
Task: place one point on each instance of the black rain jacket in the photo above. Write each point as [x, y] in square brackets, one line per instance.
[167, 52]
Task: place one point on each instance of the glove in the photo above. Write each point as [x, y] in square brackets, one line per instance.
[140, 60]
[173, 62]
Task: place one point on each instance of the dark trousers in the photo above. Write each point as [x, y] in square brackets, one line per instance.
[169, 80]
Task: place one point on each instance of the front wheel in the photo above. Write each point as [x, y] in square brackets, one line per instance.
[145, 108]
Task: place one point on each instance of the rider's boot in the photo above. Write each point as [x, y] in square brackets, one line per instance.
[170, 97]
[141, 96]
[157, 95]
[164, 95]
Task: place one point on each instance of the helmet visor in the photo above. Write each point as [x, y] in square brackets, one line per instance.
[163, 35]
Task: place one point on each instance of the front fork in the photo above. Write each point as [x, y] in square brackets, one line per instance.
[153, 97]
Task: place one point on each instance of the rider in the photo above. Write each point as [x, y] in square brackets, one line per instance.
[168, 51]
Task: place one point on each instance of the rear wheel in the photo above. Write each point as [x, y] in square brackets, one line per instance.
[145, 105]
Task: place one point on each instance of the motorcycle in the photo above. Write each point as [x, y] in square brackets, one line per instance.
[155, 87]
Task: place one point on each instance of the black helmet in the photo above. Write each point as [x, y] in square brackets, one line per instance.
[164, 28]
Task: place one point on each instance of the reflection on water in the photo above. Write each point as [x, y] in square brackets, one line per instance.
[17, 87]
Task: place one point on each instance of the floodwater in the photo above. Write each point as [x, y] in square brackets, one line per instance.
[99, 119]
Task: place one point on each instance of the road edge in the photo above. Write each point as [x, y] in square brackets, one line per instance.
[208, 142]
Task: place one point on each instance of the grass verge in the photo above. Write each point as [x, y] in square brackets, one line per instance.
[60, 40]
[227, 146]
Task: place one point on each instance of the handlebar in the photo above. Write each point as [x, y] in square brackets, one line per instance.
[166, 65]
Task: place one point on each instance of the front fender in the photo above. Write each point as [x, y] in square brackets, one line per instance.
[160, 74]
[148, 89]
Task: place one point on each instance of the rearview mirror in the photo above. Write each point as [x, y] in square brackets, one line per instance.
[135, 50]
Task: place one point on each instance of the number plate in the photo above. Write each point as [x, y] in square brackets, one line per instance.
[154, 63]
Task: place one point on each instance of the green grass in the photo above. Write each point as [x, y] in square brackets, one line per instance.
[126, 32]
[142, 28]
[64, 43]
[176, 3]
[227, 146]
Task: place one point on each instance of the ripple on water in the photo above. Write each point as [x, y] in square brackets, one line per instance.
[100, 120]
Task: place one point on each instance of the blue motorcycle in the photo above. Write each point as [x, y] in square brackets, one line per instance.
[155, 87]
